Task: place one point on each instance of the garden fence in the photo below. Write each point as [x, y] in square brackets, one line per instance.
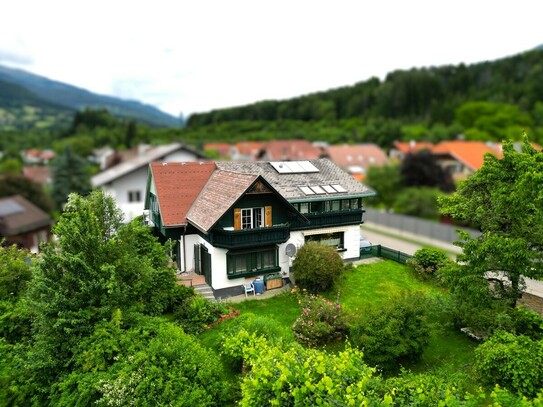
[386, 253]
[417, 226]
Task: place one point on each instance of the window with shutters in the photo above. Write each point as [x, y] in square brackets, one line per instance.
[251, 218]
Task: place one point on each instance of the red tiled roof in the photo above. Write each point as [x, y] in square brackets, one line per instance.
[222, 190]
[177, 186]
[250, 148]
[363, 155]
[469, 153]
[290, 150]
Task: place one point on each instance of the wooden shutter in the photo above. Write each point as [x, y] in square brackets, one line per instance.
[237, 218]
[268, 216]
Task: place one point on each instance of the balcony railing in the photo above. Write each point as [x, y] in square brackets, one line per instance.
[237, 239]
[325, 219]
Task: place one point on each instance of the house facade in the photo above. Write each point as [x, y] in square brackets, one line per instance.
[125, 182]
[239, 220]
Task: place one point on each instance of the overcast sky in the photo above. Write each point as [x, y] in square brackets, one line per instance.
[193, 56]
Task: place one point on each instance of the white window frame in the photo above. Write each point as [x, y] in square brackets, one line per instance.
[252, 218]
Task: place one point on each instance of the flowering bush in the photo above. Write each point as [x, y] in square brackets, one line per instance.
[321, 321]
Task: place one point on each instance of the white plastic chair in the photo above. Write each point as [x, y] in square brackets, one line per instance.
[248, 287]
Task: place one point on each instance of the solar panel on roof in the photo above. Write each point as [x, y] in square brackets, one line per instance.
[339, 188]
[329, 189]
[307, 191]
[8, 208]
[307, 166]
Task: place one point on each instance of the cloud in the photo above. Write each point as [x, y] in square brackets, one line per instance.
[12, 58]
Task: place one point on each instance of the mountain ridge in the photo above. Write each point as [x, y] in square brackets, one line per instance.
[70, 98]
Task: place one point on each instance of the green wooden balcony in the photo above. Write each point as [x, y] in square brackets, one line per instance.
[327, 219]
[238, 239]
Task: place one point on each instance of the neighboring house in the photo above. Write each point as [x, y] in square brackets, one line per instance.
[401, 148]
[462, 158]
[356, 159]
[22, 223]
[237, 220]
[290, 150]
[104, 157]
[40, 174]
[249, 150]
[223, 150]
[125, 182]
[35, 156]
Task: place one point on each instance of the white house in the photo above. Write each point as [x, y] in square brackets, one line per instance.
[125, 182]
[237, 220]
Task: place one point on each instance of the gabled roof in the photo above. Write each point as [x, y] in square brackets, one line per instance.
[177, 186]
[200, 193]
[222, 149]
[18, 215]
[469, 153]
[126, 167]
[362, 155]
[222, 190]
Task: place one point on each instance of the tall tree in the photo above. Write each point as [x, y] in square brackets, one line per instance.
[70, 174]
[505, 199]
[386, 182]
[421, 169]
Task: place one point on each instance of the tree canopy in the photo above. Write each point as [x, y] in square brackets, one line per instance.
[505, 200]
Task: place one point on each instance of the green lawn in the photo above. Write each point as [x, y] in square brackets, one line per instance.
[364, 285]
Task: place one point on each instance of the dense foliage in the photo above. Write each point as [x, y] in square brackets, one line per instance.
[504, 198]
[427, 261]
[512, 361]
[393, 333]
[320, 322]
[317, 267]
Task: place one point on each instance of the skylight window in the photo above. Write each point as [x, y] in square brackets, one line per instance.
[339, 188]
[293, 167]
[317, 190]
[307, 191]
[329, 189]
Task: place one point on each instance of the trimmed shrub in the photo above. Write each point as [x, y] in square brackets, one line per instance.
[511, 361]
[425, 262]
[196, 313]
[393, 333]
[317, 267]
[321, 321]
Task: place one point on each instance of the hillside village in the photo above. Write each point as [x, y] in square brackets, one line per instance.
[228, 263]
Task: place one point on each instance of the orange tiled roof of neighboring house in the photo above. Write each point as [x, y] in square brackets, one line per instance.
[469, 153]
[178, 185]
[223, 149]
[358, 155]
[406, 147]
[291, 150]
[251, 149]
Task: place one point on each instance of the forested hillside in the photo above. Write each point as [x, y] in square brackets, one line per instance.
[489, 100]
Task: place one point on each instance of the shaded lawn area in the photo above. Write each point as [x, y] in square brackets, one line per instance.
[364, 285]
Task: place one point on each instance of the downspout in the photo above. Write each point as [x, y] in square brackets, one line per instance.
[184, 249]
